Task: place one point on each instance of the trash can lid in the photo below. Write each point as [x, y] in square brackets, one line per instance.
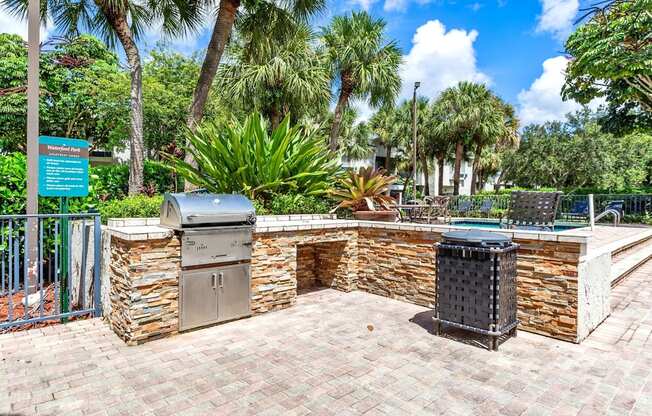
[477, 238]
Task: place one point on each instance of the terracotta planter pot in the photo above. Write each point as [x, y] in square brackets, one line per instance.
[384, 216]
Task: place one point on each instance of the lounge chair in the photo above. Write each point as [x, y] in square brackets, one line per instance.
[532, 210]
[464, 207]
[579, 210]
[486, 206]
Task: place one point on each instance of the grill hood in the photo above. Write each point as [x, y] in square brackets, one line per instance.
[201, 210]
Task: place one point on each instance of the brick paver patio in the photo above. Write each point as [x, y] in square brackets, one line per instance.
[334, 353]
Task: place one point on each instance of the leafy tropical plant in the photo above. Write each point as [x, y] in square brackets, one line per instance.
[364, 190]
[245, 158]
[364, 62]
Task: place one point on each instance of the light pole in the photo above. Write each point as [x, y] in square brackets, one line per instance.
[414, 139]
[33, 51]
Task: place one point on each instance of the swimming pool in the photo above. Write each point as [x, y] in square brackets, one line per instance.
[494, 225]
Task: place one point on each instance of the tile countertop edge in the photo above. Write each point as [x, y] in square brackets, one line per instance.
[144, 229]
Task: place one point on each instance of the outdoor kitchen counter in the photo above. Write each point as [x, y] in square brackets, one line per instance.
[563, 291]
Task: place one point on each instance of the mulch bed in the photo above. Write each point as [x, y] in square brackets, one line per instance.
[18, 311]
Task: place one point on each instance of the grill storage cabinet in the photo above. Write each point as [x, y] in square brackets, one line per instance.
[216, 238]
[476, 284]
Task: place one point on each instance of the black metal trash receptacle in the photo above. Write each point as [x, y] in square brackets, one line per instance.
[476, 283]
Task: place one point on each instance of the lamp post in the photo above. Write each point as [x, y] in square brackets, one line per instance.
[33, 51]
[414, 139]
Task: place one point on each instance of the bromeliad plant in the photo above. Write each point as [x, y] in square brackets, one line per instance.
[365, 190]
[246, 159]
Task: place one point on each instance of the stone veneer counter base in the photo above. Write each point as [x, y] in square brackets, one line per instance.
[563, 291]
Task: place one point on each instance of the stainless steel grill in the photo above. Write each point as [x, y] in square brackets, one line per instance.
[216, 237]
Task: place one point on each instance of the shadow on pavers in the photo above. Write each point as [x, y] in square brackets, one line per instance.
[424, 320]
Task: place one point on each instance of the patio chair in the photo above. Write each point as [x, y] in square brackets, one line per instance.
[486, 206]
[532, 210]
[464, 207]
[579, 210]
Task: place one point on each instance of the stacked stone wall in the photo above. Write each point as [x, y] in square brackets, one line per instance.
[144, 292]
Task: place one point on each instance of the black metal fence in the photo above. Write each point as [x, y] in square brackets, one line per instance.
[63, 281]
[633, 204]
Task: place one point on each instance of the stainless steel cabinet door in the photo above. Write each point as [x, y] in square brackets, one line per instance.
[198, 298]
[233, 292]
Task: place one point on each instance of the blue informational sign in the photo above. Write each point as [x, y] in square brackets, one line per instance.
[63, 167]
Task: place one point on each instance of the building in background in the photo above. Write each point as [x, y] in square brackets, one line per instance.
[379, 158]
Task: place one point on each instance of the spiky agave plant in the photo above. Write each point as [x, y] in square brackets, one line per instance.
[364, 190]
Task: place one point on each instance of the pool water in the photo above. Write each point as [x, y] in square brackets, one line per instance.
[496, 225]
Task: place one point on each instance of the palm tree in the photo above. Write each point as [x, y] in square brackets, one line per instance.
[284, 77]
[440, 144]
[469, 118]
[366, 65]
[384, 126]
[281, 15]
[260, 14]
[356, 142]
[123, 21]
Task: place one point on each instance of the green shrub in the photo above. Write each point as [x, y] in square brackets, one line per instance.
[289, 204]
[112, 181]
[139, 206]
[638, 219]
[13, 189]
[260, 208]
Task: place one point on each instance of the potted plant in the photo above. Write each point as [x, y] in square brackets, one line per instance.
[366, 193]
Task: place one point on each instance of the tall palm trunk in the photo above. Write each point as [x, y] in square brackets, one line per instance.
[118, 20]
[459, 153]
[426, 173]
[275, 117]
[388, 158]
[440, 179]
[220, 36]
[476, 168]
[345, 92]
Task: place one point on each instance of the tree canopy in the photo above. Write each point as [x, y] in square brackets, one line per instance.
[577, 153]
[84, 93]
[611, 57]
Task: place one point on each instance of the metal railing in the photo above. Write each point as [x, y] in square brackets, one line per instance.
[63, 281]
[633, 204]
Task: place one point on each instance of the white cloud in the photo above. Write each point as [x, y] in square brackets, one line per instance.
[542, 101]
[363, 4]
[400, 5]
[440, 59]
[557, 17]
[12, 24]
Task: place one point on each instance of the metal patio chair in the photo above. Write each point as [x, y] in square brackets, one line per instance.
[486, 206]
[464, 207]
[439, 208]
[532, 210]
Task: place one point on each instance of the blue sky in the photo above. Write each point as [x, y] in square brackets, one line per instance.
[514, 46]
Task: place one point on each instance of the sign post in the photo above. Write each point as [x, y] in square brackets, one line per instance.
[63, 173]
[31, 231]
